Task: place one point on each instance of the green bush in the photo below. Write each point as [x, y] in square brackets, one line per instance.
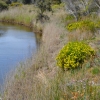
[73, 55]
[58, 6]
[69, 17]
[56, 1]
[15, 4]
[84, 25]
[3, 5]
[96, 71]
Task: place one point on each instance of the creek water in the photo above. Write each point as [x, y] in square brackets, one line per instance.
[17, 44]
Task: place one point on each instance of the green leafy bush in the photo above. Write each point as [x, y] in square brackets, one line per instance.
[3, 5]
[56, 1]
[58, 6]
[73, 55]
[15, 4]
[69, 17]
[95, 71]
[84, 25]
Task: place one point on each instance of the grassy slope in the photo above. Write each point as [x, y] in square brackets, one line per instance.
[42, 80]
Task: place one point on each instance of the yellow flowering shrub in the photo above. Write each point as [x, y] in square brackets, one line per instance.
[73, 55]
[83, 25]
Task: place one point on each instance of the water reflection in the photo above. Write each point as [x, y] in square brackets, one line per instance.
[16, 44]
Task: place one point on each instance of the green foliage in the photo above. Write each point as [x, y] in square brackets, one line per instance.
[8, 2]
[15, 4]
[69, 17]
[56, 1]
[3, 5]
[26, 1]
[96, 71]
[57, 6]
[80, 8]
[84, 25]
[73, 55]
[43, 6]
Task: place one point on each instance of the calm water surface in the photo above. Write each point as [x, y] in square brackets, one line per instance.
[17, 43]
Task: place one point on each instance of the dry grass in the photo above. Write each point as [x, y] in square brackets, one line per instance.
[23, 15]
[79, 36]
[42, 80]
[32, 83]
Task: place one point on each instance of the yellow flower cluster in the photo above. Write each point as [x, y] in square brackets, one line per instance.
[74, 54]
[84, 24]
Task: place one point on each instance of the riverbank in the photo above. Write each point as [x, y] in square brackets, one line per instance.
[40, 78]
[23, 15]
[17, 43]
[44, 62]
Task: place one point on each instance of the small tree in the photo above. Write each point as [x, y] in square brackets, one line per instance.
[3, 5]
[8, 2]
[26, 1]
[43, 5]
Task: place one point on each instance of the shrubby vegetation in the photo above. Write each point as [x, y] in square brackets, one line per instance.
[87, 24]
[15, 4]
[3, 5]
[46, 5]
[34, 1]
[43, 6]
[69, 17]
[73, 55]
[58, 6]
[56, 1]
[82, 7]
